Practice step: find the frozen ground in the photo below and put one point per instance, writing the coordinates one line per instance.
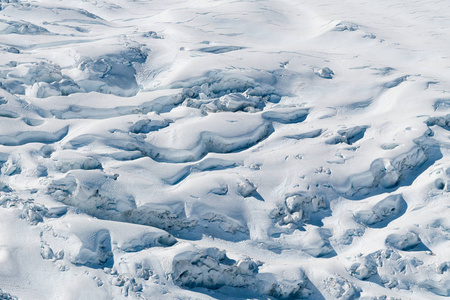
(224, 149)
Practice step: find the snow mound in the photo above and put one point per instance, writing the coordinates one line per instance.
(383, 212)
(212, 269)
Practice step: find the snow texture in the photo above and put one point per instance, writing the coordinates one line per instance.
(224, 149)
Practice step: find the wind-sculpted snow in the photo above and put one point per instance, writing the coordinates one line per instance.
(385, 174)
(392, 270)
(212, 269)
(383, 212)
(26, 137)
(224, 149)
(348, 136)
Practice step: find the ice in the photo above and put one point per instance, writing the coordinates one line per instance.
(92, 191)
(340, 288)
(27, 137)
(69, 160)
(145, 126)
(110, 74)
(34, 213)
(326, 73)
(153, 35)
(92, 253)
(246, 188)
(7, 296)
(224, 149)
(387, 173)
(343, 26)
(393, 270)
(443, 121)
(14, 27)
(286, 116)
(306, 135)
(405, 242)
(37, 72)
(220, 49)
(299, 209)
(213, 269)
(349, 136)
(383, 212)
(147, 240)
(316, 242)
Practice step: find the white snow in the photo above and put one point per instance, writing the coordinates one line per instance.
(271, 149)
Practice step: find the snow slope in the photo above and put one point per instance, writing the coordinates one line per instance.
(224, 149)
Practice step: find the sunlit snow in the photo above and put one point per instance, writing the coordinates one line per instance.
(219, 149)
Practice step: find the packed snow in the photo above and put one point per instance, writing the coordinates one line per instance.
(271, 149)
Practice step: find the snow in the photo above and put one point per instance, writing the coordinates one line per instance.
(271, 149)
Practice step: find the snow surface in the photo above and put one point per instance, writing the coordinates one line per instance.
(270, 149)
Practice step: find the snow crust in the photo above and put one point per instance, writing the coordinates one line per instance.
(272, 149)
